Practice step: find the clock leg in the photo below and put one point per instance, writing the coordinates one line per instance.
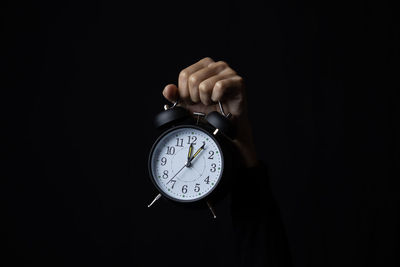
(154, 200)
(211, 209)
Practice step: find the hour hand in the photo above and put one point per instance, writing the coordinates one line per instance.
(189, 155)
(198, 151)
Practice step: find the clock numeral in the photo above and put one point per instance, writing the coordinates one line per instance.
(184, 189)
(211, 154)
(207, 180)
(165, 174)
(163, 161)
(179, 142)
(170, 150)
(213, 167)
(197, 188)
(193, 138)
(172, 181)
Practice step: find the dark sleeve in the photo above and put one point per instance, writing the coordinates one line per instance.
(259, 233)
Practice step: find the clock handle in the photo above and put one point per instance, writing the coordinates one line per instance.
(221, 108)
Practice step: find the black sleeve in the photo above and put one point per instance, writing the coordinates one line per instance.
(259, 233)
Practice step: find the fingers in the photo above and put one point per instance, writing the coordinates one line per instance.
(207, 86)
(196, 82)
(185, 74)
(203, 74)
(205, 81)
(226, 87)
(171, 93)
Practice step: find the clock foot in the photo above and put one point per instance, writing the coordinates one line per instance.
(154, 200)
(211, 209)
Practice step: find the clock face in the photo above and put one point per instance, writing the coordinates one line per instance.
(186, 163)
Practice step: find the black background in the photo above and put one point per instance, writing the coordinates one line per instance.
(83, 81)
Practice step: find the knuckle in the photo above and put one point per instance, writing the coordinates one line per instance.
(203, 88)
(193, 79)
(222, 63)
(184, 74)
(219, 86)
(232, 72)
(240, 79)
(207, 60)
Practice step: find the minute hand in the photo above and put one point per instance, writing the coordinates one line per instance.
(198, 151)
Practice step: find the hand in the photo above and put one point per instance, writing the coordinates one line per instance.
(202, 85)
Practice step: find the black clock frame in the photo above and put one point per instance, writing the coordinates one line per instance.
(225, 145)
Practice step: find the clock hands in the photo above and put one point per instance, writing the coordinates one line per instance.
(198, 151)
(190, 159)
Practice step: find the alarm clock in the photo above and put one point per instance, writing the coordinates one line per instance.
(193, 158)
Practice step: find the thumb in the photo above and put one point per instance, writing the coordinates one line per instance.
(171, 93)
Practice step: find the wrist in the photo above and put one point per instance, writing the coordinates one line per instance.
(245, 144)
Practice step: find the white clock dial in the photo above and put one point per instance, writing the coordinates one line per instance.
(186, 164)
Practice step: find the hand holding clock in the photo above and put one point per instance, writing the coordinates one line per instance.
(201, 86)
(206, 82)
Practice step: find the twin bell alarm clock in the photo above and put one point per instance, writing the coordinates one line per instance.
(192, 160)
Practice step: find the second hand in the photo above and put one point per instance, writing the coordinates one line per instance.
(177, 173)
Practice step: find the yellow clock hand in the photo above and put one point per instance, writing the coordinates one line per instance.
(198, 151)
(189, 155)
(190, 151)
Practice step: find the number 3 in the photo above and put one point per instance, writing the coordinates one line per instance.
(213, 167)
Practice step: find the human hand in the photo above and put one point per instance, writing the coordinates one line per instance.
(202, 85)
